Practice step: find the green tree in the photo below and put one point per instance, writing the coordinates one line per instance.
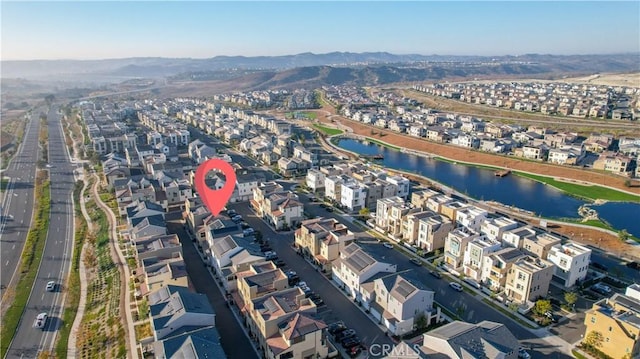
(542, 306)
(571, 298)
(623, 235)
(593, 339)
(364, 212)
(421, 321)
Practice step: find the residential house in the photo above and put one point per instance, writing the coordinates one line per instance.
(471, 217)
(616, 319)
(198, 343)
(571, 262)
(353, 195)
(315, 180)
(154, 273)
(173, 310)
(613, 162)
(262, 283)
(494, 227)
(419, 198)
(540, 244)
(474, 254)
(433, 231)
(355, 267)
(528, 279)
(383, 210)
(455, 245)
(323, 239)
(496, 266)
(461, 340)
(396, 301)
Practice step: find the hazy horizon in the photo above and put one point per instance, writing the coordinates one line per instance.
(201, 30)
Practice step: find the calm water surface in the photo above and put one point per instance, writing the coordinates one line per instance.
(510, 190)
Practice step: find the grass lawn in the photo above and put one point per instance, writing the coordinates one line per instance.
(328, 130)
(3, 184)
(383, 144)
(589, 192)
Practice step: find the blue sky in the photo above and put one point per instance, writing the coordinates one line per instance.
(97, 30)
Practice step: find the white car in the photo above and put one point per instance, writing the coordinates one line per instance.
(41, 321)
(523, 354)
(455, 286)
(388, 245)
(51, 286)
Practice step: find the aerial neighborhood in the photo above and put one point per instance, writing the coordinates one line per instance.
(306, 230)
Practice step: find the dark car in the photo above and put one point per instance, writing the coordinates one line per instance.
(345, 334)
(329, 209)
(264, 249)
(294, 279)
(279, 263)
(336, 327)
(435, 273)
(318, 301)
(350, 342)
(634, 265)
(354, 351)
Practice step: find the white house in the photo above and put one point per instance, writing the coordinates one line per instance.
(572, 262)
(353, 195)
(471, 217)
(315, 180)
(397, 301)
(494, 228)
(474, 255)
(355, 267)
(403, 185)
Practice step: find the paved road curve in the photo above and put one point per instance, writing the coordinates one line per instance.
(29, 341)
(17, 204)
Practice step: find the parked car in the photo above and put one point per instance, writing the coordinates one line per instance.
(329, 209)
(41, 321)
(279, 263)
(435, 273)
(601, 288)
(270, 255)
(350, 342)
(415, 261)
(634, 265)
(318, 301)
(354, 351)
(523, 354)
(237, 218)
(345, 335)
(247, 232)
(335, 328)
(455, 286)
(51, 286)
(388, 245)
(231, 212)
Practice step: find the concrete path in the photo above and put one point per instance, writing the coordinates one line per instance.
(71, 347)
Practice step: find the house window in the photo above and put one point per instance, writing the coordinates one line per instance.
(593, 319)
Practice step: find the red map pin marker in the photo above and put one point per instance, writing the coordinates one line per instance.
(215, 200)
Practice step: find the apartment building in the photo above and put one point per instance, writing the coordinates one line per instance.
(571, 262)
(515, 237)
(323, 239)
(403, 186)
(528, 279)
(411, 225)
(264, 282)
(333, 187)
(613, 162)
(616, 319)
(451, 208)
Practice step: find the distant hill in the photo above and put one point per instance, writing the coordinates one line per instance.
(184, 68)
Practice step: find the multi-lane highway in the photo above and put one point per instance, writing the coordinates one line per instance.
(29, 341)
(17, 204)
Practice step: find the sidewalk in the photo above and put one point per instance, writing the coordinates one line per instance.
(71, 347)
(121, 263)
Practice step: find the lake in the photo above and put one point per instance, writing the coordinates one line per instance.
(512, 190)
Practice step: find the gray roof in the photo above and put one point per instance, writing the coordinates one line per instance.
(198, 343)
(483, 340)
